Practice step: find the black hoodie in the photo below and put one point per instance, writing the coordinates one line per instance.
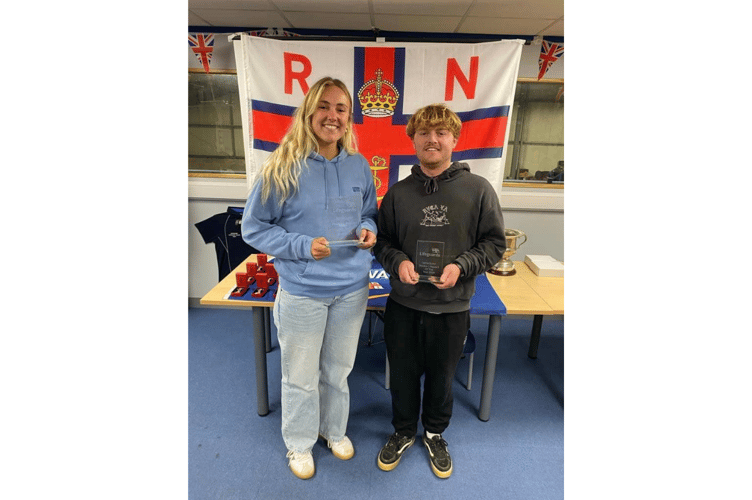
(456, 208)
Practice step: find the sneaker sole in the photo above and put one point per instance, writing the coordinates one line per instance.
(302, 476)
(344, 457)
(341, 457)
(388, 467)
(439, 473)
(299, 475)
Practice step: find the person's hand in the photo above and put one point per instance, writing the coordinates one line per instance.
(320, 248)
(407, 273)
(367, 238)
(449, 277)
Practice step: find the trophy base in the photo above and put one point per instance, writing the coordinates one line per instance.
(503, 268)
(499, 272)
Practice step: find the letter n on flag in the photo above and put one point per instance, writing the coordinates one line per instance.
(388, 83)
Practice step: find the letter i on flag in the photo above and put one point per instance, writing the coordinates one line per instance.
(202, 44)
(549, 54)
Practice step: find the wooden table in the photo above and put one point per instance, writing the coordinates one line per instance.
(524, 293)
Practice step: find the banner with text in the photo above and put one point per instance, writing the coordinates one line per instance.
(388, 84)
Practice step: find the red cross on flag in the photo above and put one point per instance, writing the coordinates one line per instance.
(388, 83)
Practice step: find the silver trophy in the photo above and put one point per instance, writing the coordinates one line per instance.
(505, 267)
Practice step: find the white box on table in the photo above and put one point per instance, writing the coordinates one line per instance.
(545, 266)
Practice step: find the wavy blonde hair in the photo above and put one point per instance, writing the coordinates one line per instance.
(282, 168)
(434, 115)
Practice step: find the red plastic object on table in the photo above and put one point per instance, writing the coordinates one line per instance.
(263, 279)
(251, 268)
(244, 279)
(271, 271)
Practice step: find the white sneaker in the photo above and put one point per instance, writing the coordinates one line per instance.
(301, 464)
(342, 449)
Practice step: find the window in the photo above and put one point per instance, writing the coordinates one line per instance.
(536, 138)
(215, 131)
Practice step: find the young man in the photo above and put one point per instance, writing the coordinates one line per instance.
(437, 230)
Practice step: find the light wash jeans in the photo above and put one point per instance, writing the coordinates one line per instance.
(318, 340)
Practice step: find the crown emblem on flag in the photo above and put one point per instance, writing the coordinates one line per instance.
(378, 97)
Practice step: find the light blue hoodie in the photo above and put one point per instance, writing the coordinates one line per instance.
(335, 199)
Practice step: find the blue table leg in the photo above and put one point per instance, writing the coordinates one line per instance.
(259, 340)
(489, 369)
(535, 337)
(267, 329)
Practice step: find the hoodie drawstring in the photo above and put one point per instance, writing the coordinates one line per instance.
(431, 185)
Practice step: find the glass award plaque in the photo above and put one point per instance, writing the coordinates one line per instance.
(429, 261)
(343, 218)
(344, 243)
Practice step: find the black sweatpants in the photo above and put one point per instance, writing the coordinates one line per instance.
(419, 343)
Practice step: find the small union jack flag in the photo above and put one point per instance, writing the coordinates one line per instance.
(202, 45)
(549, 53)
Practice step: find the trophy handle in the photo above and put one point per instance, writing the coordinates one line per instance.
(523, 241)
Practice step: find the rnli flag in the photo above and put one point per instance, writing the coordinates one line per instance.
(388, 84)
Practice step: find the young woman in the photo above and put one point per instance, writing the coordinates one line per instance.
(315, 188)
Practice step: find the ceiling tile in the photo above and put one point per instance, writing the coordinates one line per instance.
(242, 18)
(525, 9)
(422, 7)
(425, 23)
(493, 17)
(229, 4)
(195, 20)
(556, 29)
(349, 6)
(501, 26)
(329, 20)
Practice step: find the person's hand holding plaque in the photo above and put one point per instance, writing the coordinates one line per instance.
(449, 277)
(320, 248)
(407, 273)
(367, 238)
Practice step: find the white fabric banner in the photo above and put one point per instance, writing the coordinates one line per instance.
(388, 82)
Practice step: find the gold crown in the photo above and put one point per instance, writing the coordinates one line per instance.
(378, 97)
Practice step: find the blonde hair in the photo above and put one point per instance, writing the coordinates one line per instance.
(434, 115)
(282, 168)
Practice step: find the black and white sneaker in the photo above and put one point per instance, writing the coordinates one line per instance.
(441, 461)
(390, 455)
